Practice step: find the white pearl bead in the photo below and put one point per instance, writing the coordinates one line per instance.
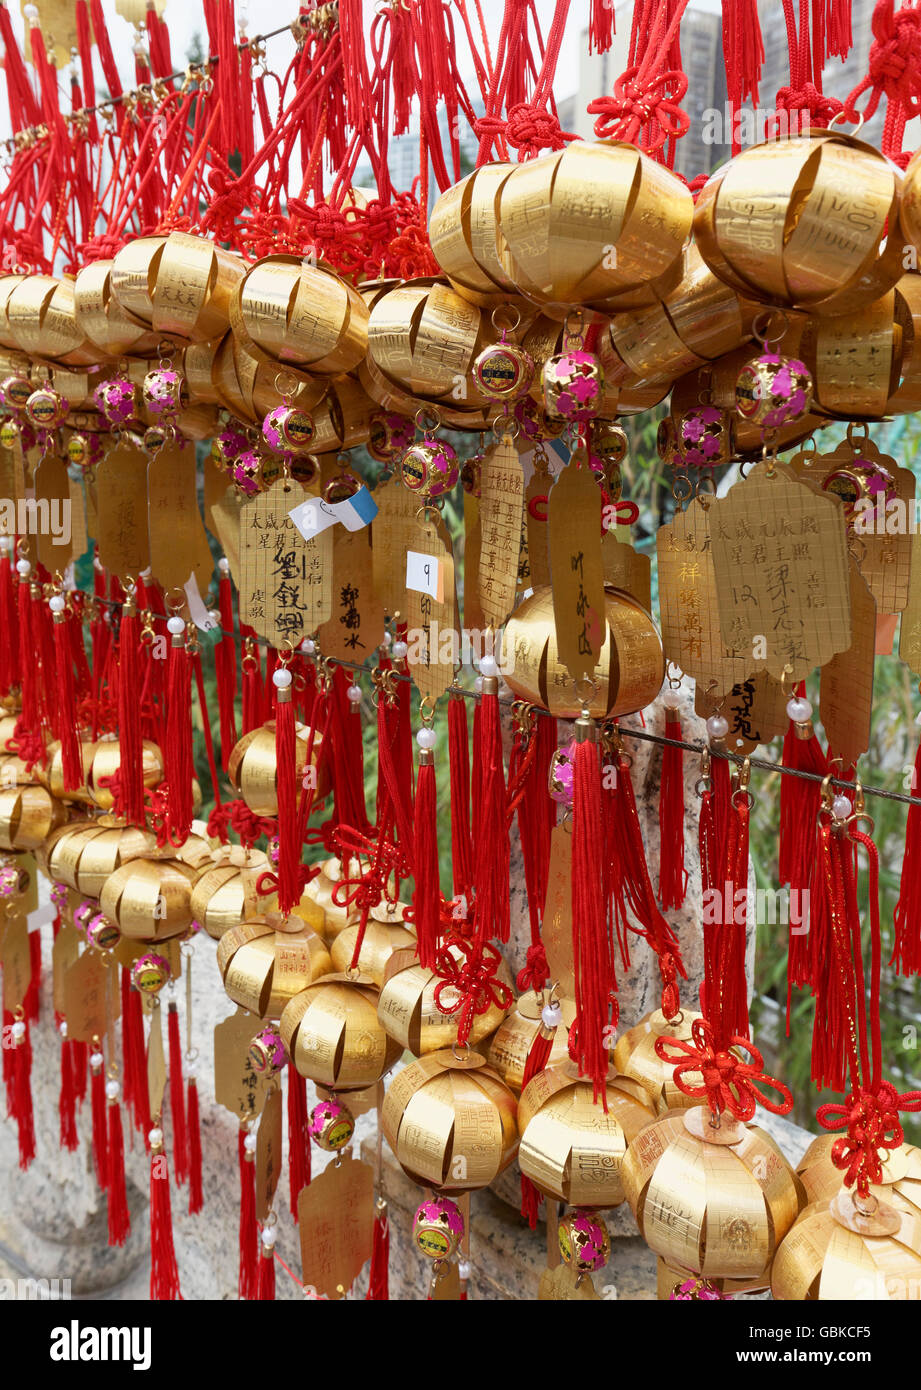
(551, 1015)
(249, 1143)
(175, 625)
(19, 1029)
(191, 1071)
(30, 11)
(671, 699)
(96, 1060)
(223, 565)
(463, 1269)
(489, 666)
(354, 693)
(57, 603)
(112, 1089)
(281, 678)
(478, 685)
(841, 807)
(268, 1237)
(309, 646)
(62, 1027)
(799, 709)
(388, 640)
(399, 650)
(155, 1137)
(6, 544)
(23, 568)
(426, 738)
(717, 726)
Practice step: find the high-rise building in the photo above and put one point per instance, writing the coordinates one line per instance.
(702, 58)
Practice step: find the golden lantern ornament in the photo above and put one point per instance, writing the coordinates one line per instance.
(378, 944)
(513, 1039)
(450, 1121)
(268, 960)
(227, 894)
(747, 1195)
(568, 1157)
(252, 767)
(418, 1006)
(333, 1035)
(28, 815)
(331, 1125)
(635, 1056)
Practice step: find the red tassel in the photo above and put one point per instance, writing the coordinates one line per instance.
(196, 1200)
(177, 754)
(79, 1067)
(601, 26)
(427, 897)
(266, 1276)
(298, 1137)
(9, 622)
(249, 1244)
(98, 1098)
(673, 879)
(289, 841)
(66, 711)
(131, 748)
(31, 1002)
(176, 1097)
(799, 807)
(459, 768)
(537, 1059)
(591, 953)
(164, 1274)
(29, 716)
(119, 1217)
(135, 1060)
(6, 1053)
(22, 1092)
(379, 1273)
(225, 668)
(491, 836)
(67, 1100)
(906, 954)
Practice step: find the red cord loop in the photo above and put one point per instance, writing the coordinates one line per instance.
(871, 1117)
(727, 1082)
(636, 107)
(535, 971)
(472, 978)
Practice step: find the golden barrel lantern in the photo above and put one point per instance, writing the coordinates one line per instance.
(265, 962)
(635, 1056)
(252, 767)
(333, 1036)
(713, 1200)
(845, 1250)
(811, 222)
(178, 287)
(287, 310)
(573, 1149)
(28, 813)
(573, 226)
(450, 1121)
(630, 669)
(409, 1010)
(225, 894)
(509, 1046)
(378, 945)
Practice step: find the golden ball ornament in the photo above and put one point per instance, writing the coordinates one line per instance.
(635, 1056)
(811, 222)
(572, 1149)
(150, 899)
(377, 947)
(106, 763)
(225, 895)
(324, 890)
(178, 286)
(333, 1035)
(714, 1201)
(583, 1240)
(573, 225)
(509, 1046)
(901, 1175)
(450, 1121)
(28, 814)
(101, 319)
(408, 1010)
(464, 236)
(849, 1250)
(305, 315)
(268, 960)
(630, 669)
(252, 769)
